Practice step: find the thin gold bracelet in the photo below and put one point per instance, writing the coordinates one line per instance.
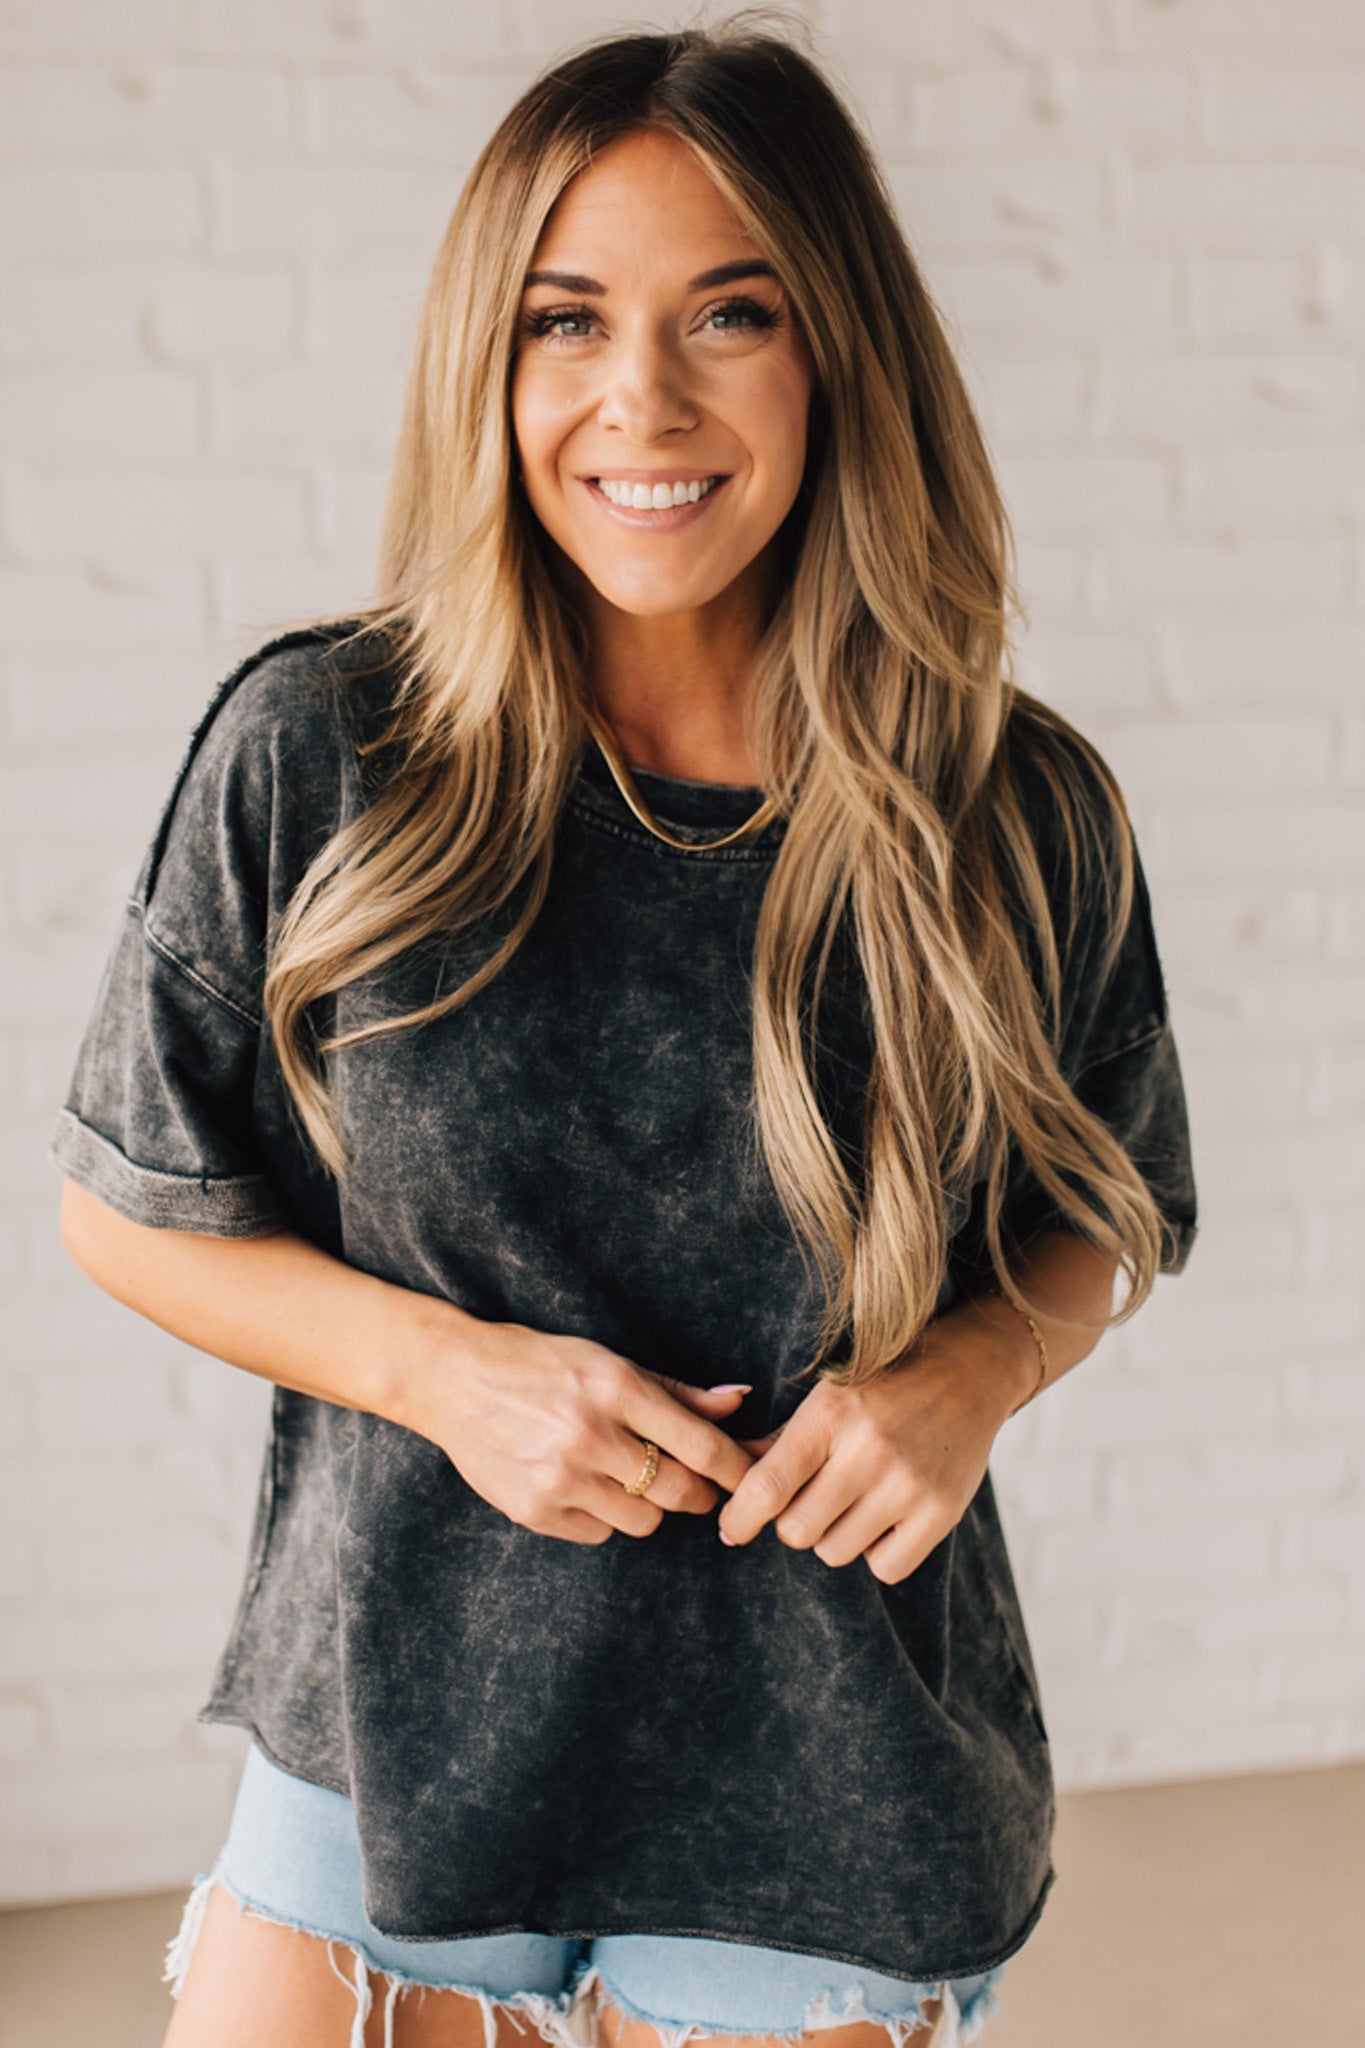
(1038, 1340)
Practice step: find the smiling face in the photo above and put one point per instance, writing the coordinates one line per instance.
(661, 386)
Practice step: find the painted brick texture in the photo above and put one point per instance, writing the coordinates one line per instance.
(1144, 222)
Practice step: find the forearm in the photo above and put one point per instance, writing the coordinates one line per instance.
(541, 1425)
(276, 1305)
(1071, 1285)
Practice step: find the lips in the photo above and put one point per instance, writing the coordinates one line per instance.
(682, 474)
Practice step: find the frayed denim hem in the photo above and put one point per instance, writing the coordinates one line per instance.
(569, 2020)
(956, 2027)
(566, 2022)
(972, 2017)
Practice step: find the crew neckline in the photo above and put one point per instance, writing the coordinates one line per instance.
(709, 808)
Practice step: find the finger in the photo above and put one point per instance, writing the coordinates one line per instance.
(771, 1483)
(864, 1522)
(720, 1400)
(821, 1502)
(634, 1515)
(903, 1549)
(674, 1486)
(652, 1412)
(576, 1525)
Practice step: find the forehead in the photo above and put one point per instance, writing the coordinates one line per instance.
(644, 193)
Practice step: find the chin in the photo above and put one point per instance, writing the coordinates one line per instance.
(646, 600)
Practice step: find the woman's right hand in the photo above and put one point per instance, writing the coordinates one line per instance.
(551, 1430)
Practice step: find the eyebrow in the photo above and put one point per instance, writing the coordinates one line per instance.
(724, 273)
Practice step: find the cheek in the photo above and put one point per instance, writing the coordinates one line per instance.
(780, 412)
(538, 418)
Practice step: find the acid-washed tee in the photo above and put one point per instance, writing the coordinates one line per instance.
(653, 1735)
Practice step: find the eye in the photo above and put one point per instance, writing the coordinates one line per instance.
(540, 326)
(738, 315)
(745, 313)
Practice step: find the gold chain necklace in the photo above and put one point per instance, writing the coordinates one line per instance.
(620, 769)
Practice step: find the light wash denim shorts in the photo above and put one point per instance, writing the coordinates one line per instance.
(292, 1855)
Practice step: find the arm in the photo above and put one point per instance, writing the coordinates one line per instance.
(1072, 1282)
(174, 1199)
(886, 1470)
(274, 1304)
(546, 1428)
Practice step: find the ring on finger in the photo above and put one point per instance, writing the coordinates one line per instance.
(650, 1467)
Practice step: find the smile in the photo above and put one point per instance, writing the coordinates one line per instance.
(661, 506)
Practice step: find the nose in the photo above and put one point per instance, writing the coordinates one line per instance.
(645, 388)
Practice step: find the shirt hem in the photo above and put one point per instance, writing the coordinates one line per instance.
(663, 1922)
(659, 1918)
(217, 1205)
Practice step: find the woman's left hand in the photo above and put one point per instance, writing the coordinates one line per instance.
(885, 1470)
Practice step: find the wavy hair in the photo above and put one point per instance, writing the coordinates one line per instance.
(880, 698)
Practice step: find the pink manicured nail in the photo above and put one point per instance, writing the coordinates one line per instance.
(728, 1540)
(730, 1387)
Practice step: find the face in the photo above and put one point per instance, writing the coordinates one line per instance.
(661, 387)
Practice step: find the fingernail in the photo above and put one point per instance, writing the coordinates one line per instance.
(730, 1387)
(729, 1541)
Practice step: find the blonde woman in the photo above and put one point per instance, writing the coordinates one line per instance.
(656, 1047)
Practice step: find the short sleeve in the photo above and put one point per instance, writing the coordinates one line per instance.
(1117, 1047)
(159, 1121)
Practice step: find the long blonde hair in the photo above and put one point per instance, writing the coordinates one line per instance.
(880, 697)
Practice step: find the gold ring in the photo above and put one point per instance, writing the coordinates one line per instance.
(651, 1466)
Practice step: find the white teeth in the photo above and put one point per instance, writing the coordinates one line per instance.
(654, 497)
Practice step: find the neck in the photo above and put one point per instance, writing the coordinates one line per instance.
(673, 688)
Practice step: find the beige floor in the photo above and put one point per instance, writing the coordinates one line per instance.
(1228, 1913)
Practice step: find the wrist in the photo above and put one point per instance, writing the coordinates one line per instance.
(1013, 1362)
(428, 1339)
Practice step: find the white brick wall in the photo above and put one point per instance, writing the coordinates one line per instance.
(1145, 225)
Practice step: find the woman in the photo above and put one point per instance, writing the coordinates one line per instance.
(596, 1030)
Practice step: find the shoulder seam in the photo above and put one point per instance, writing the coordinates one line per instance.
(283, 643)
(192, 975)
(1153, 1031)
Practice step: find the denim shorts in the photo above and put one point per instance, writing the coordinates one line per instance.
(292, 1855)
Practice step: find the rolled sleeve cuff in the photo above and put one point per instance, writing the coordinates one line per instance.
(1181, 1237)
(1180, 1233)
(238, 1205)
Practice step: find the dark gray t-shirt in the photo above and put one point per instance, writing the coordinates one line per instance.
(656, 1735)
